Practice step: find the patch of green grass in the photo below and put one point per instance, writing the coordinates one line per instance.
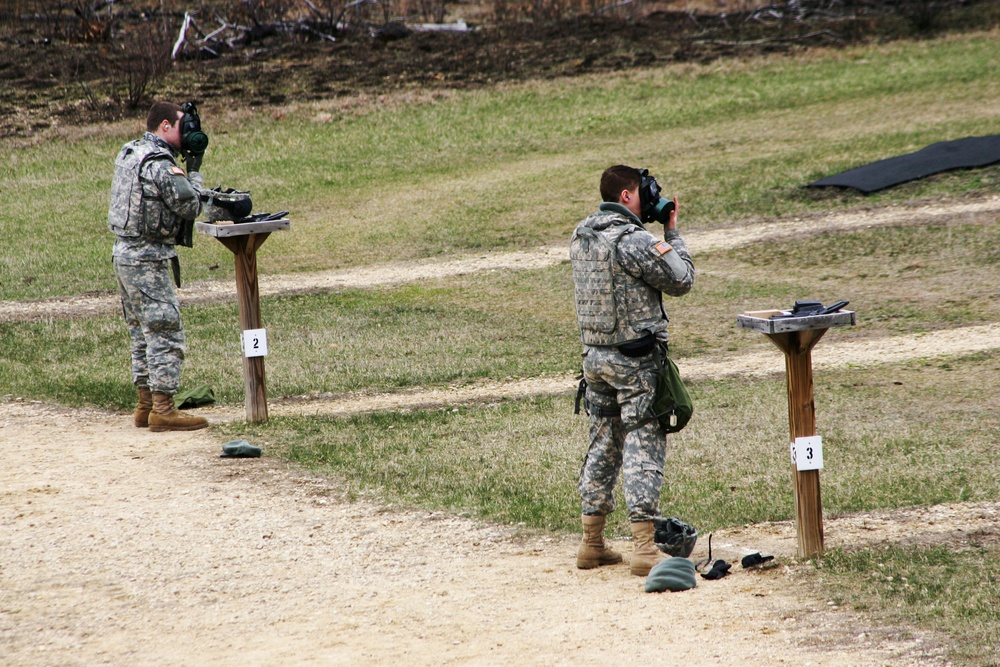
(949, 588)
(518, 461)
(518, 324)
(899, 279)
(506, 462)
(516, 166)
(69, 362)
(451, 331)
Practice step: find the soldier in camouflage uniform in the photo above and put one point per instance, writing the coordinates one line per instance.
(151, 200)
(620, 271)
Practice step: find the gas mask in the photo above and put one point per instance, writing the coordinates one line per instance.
(655, 208)
(193, 140)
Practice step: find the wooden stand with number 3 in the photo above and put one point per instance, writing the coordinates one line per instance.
(796, 337)
(244, 239)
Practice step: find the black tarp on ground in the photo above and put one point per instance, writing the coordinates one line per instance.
(958, 154)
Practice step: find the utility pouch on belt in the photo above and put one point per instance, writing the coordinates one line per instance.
(638, 348)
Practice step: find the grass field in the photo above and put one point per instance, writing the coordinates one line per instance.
(514, 168)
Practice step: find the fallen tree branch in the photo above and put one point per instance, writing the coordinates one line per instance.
(759, 42)
(180, 37)
(608, 8)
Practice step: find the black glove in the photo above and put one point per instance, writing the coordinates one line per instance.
(193, 161)
(185, 236)
(718, 571)
(753, 560)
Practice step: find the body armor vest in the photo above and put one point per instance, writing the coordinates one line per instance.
(136, 210)
(612, 307)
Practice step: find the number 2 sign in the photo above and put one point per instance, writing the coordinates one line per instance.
(255, 343)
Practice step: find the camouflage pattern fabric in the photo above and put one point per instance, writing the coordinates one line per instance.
(620, 271)
(147, 209)
(153, 316)
(150, 199)
(621, 389)
(615, 381)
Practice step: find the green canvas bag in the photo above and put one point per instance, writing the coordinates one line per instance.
(194, 397)
(673, 405)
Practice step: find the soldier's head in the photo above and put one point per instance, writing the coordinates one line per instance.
(620, 184)
(164, 121)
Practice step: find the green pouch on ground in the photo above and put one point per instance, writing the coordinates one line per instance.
(194, 397)
(673, 405)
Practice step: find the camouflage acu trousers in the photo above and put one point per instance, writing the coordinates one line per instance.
(153, 316)
(626, 385)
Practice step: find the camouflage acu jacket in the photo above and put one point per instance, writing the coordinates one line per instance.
(151, 196)
(620, 271)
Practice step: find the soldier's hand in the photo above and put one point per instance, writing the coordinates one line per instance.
(193, 161)
(672, 222)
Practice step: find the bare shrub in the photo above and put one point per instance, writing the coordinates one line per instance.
(433, 11)
(94, 20)
(922, 15)
(141, 56)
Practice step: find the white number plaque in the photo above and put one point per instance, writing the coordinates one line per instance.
(255, 343)
(807, 453)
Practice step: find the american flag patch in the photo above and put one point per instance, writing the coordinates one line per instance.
(663, 247)
(174, 169)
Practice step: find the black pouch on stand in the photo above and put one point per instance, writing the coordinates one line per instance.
(673, 405)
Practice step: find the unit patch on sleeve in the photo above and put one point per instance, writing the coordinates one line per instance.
(663, 247)
(174, 169)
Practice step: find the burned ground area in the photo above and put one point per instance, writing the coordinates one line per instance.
(90, 78)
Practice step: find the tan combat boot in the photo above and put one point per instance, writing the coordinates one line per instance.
(645, 554)
(165, 417)
(592, 552)
(141, 414)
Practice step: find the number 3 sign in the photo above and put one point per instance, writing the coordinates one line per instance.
(807, 453)
(255, 343)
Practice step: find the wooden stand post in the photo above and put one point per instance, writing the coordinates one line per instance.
(797, 346)
(244, 240)
(796, 337)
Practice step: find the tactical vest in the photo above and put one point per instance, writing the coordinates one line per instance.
(136, 210)
(612, 307)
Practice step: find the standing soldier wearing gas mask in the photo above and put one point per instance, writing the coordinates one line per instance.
(153, 207)
(620, 272)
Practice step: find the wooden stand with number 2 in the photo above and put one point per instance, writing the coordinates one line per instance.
(243, 240)
(796, 337)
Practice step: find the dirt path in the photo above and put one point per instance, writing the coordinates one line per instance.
(124, 547)
(949, 342)
(401, 273)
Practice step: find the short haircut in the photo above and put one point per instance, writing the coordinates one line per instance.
(159, 112)
(618, 178)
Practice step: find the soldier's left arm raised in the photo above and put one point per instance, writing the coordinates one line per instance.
(665, 265)
(180, 193)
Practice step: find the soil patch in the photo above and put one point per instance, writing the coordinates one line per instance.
(125, 547)
(51, 82)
